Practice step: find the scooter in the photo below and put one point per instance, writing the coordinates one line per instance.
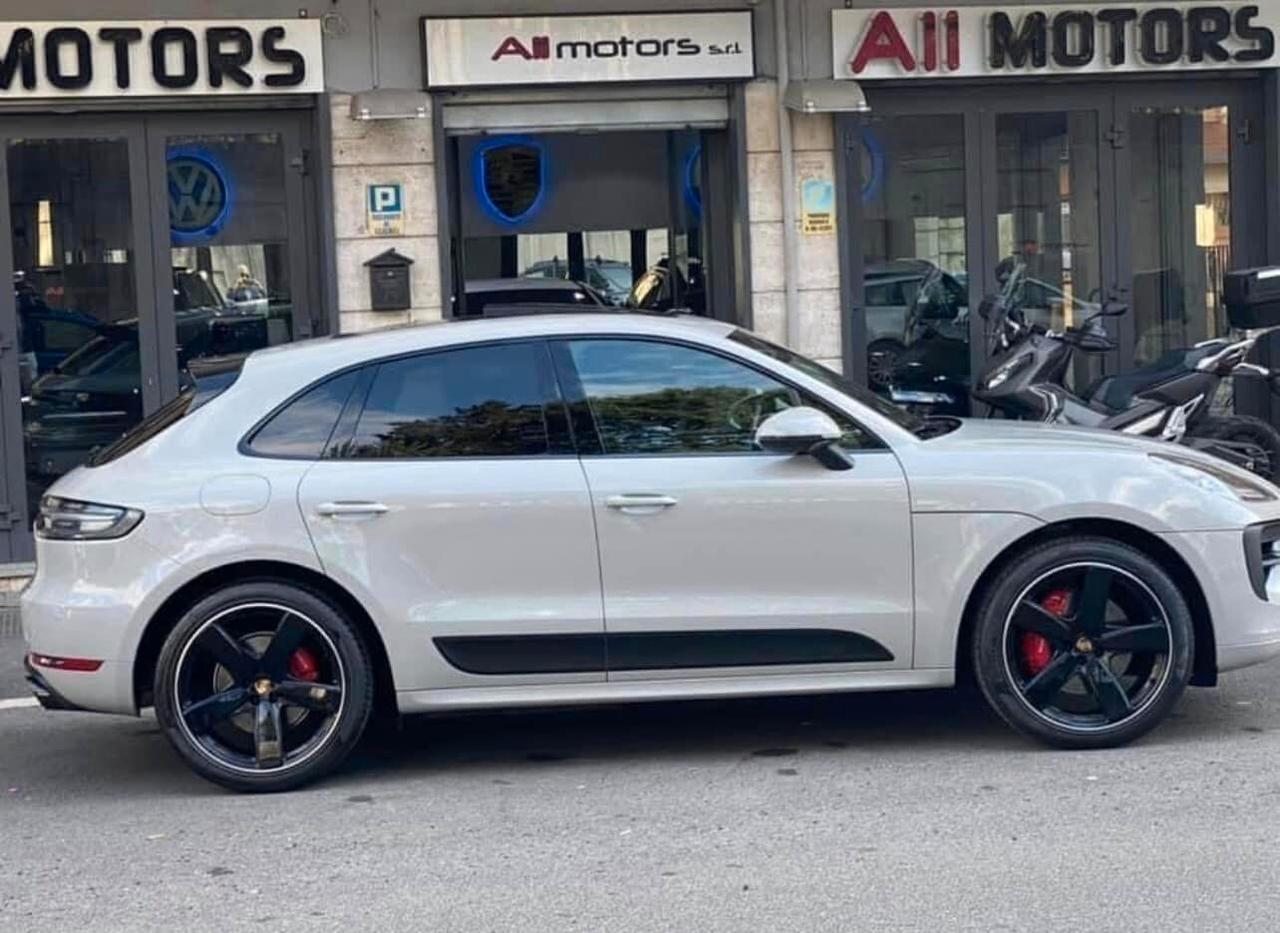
(1169, 399)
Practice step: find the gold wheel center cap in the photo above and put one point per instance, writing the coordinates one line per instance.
(262, 686)
(1084, 645)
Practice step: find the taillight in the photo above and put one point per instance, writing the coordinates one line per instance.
(72, 520)
(84, 665)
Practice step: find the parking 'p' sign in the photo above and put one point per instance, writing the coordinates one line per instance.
(385, 209)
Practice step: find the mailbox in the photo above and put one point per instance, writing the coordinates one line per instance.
(389, 281)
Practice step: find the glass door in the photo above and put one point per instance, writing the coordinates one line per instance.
(77, 330)
(1189, 169)
(1047, 205)
(135, 246)
(231, 249)
(911, 214)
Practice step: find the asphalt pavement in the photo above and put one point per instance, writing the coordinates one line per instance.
(887, 812)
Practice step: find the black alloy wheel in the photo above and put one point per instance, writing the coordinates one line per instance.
(1086, 642)
(260, 692)
(1107, 651)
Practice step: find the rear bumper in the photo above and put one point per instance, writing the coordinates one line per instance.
(43, 691)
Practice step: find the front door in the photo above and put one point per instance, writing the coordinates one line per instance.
(135, 245)
(717, 558)
(232, 262)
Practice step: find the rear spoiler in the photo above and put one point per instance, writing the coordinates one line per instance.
(213, 375)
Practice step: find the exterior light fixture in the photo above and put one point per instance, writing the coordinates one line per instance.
(390, 104)
(826, 96)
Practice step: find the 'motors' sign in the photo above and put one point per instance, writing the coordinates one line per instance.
(977, 41)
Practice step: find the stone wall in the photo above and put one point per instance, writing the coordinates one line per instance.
(818, 259)
(382, 152)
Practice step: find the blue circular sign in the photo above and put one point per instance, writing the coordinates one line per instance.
(199, 196)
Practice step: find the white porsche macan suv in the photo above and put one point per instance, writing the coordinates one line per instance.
(581, 508)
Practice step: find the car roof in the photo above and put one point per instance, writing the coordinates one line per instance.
(522, 284)
(325, 354)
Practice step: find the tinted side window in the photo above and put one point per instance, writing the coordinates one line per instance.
(470, 402)
(302, 428)
(659, 398)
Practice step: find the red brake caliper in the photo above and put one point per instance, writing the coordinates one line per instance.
(302, 666)
(1035, 649)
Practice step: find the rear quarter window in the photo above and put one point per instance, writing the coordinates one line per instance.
(301, 429)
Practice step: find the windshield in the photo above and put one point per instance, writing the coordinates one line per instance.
(618, 277)
(832, 379)
(194, 290)
(113, 352)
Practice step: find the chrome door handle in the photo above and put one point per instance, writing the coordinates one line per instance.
(639, 502)
(331, 509)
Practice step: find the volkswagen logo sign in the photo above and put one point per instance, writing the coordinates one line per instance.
(199, 196)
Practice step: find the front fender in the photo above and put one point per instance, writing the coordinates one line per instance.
(952, 550)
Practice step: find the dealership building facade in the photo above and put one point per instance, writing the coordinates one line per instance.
(179, 186)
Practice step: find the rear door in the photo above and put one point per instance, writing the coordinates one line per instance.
(720, 559)
(452, 501)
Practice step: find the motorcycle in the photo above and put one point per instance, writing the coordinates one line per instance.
(1169, 399)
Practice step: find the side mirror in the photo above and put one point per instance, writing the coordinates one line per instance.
(1114, 309)
(804, 430)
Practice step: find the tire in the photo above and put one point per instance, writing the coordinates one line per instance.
(1244, 429)
(1084, 690)
(882, 357)
(264, 686)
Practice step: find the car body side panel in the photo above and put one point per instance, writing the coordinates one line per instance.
(756, 542)
(94, 599)
(1057, 474)
(952, 550)
(484, 547)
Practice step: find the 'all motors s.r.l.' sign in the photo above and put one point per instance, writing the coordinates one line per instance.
(975, 42)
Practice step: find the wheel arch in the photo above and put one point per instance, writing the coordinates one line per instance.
(1204, 670)
(170, 611)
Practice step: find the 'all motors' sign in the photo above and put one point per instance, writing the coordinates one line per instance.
(1057, 39)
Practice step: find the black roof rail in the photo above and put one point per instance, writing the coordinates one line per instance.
(498, 309)
(522, 309)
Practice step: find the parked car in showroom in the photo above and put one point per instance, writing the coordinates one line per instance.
(93, 395)
(588, 508)
(610, 278)
(892, 292)
(490, 296)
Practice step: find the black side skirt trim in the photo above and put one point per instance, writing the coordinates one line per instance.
(650, 651)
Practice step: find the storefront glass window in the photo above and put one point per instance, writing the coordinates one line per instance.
(1182, 222)
(915, 263)
(619, 212)
(73, 253)
(229, 230)
(1048, 216)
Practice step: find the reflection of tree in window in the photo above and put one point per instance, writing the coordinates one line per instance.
(489, 429)
(650, 397)
(707, 419)
(473, 402)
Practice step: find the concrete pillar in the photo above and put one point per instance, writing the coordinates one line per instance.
(818, 270)
(369, 152)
